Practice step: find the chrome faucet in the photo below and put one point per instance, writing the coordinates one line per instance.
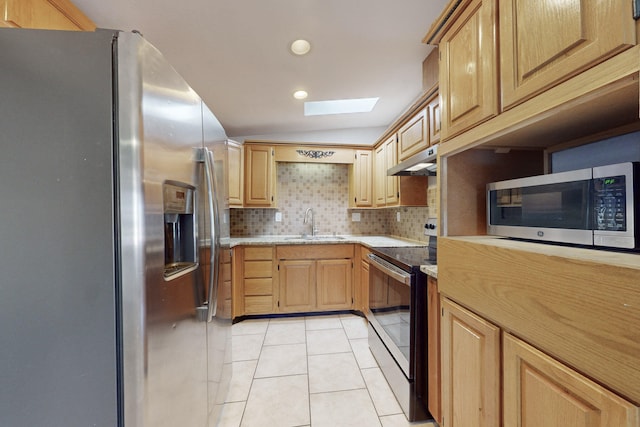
(314, 230)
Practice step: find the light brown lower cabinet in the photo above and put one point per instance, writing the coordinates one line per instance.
(433, 349)
(480, 376)
(361, 292)
(315, 278)
(253, 280)
(470, 369)
(540, 391)
(334, 284)
(297, 293)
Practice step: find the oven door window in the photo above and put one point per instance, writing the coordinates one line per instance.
(389, 305)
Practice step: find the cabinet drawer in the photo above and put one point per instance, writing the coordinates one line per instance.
(262, 286)
(314, 251)
(258, 253)
(258, 269)
(258, 304)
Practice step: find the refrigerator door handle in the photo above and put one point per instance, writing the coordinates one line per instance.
(212, 300)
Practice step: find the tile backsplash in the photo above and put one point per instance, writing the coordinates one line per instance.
(325, 189)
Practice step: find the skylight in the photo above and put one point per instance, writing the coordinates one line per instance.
(339, 106)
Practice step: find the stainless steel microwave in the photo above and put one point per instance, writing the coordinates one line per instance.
(596, 206)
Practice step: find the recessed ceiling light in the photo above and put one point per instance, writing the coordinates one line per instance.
(300, 47)
(300, 94)
(339, 106)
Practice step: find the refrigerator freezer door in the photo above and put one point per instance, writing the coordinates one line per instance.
(165, 344)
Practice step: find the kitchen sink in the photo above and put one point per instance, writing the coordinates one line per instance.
(311, 238)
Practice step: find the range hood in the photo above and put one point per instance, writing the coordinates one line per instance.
(422, 163)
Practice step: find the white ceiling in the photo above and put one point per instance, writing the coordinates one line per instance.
(235, 54)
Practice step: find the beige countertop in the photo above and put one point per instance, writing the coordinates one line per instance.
(430, 270)
(370, 241)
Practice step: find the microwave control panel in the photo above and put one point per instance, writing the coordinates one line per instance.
(609, 194)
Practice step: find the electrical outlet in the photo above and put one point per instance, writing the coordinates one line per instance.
(278, 216)
(398, 216)
(355, 216)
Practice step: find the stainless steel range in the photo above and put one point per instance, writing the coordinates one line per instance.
(397, 318)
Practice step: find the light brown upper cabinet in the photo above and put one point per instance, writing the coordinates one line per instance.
(434, 114)
(44, 14)
(380, 175)
(543, 42)
(413, 136)
(468, 69)
(236, 174)
(391, 194)
(395, 190)
(361, 179)
(386, 187)
(260, 176)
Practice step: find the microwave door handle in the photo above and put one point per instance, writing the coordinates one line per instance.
(212, 301)
(390, 270)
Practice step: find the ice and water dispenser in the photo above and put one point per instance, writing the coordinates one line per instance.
(180, 254)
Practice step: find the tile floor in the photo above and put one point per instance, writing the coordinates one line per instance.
(311, 371)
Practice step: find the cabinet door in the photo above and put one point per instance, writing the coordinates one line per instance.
(470, 368)
(364, 286)
(259, 181)
(539, 390)
(45, 14)
(435, 120)
(297, 285)
(413, 136)
(468, 69)
(236, 172)
(334, 278)
(543, 42)
(433, 348)
(380, 173)
(363, 178)
(390, 160)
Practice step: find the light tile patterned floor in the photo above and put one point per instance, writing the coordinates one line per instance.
(312, 371)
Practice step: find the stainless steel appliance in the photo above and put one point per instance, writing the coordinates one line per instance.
(397, 318)
(422, 163)
(595, 206)
(108, 158)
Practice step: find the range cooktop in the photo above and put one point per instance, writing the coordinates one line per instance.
(409, 257)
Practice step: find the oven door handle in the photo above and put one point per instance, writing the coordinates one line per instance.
(390, 269)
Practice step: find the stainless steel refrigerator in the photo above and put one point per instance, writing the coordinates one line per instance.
(115, 296)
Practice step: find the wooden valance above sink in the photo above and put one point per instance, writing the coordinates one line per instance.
(314, 154)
